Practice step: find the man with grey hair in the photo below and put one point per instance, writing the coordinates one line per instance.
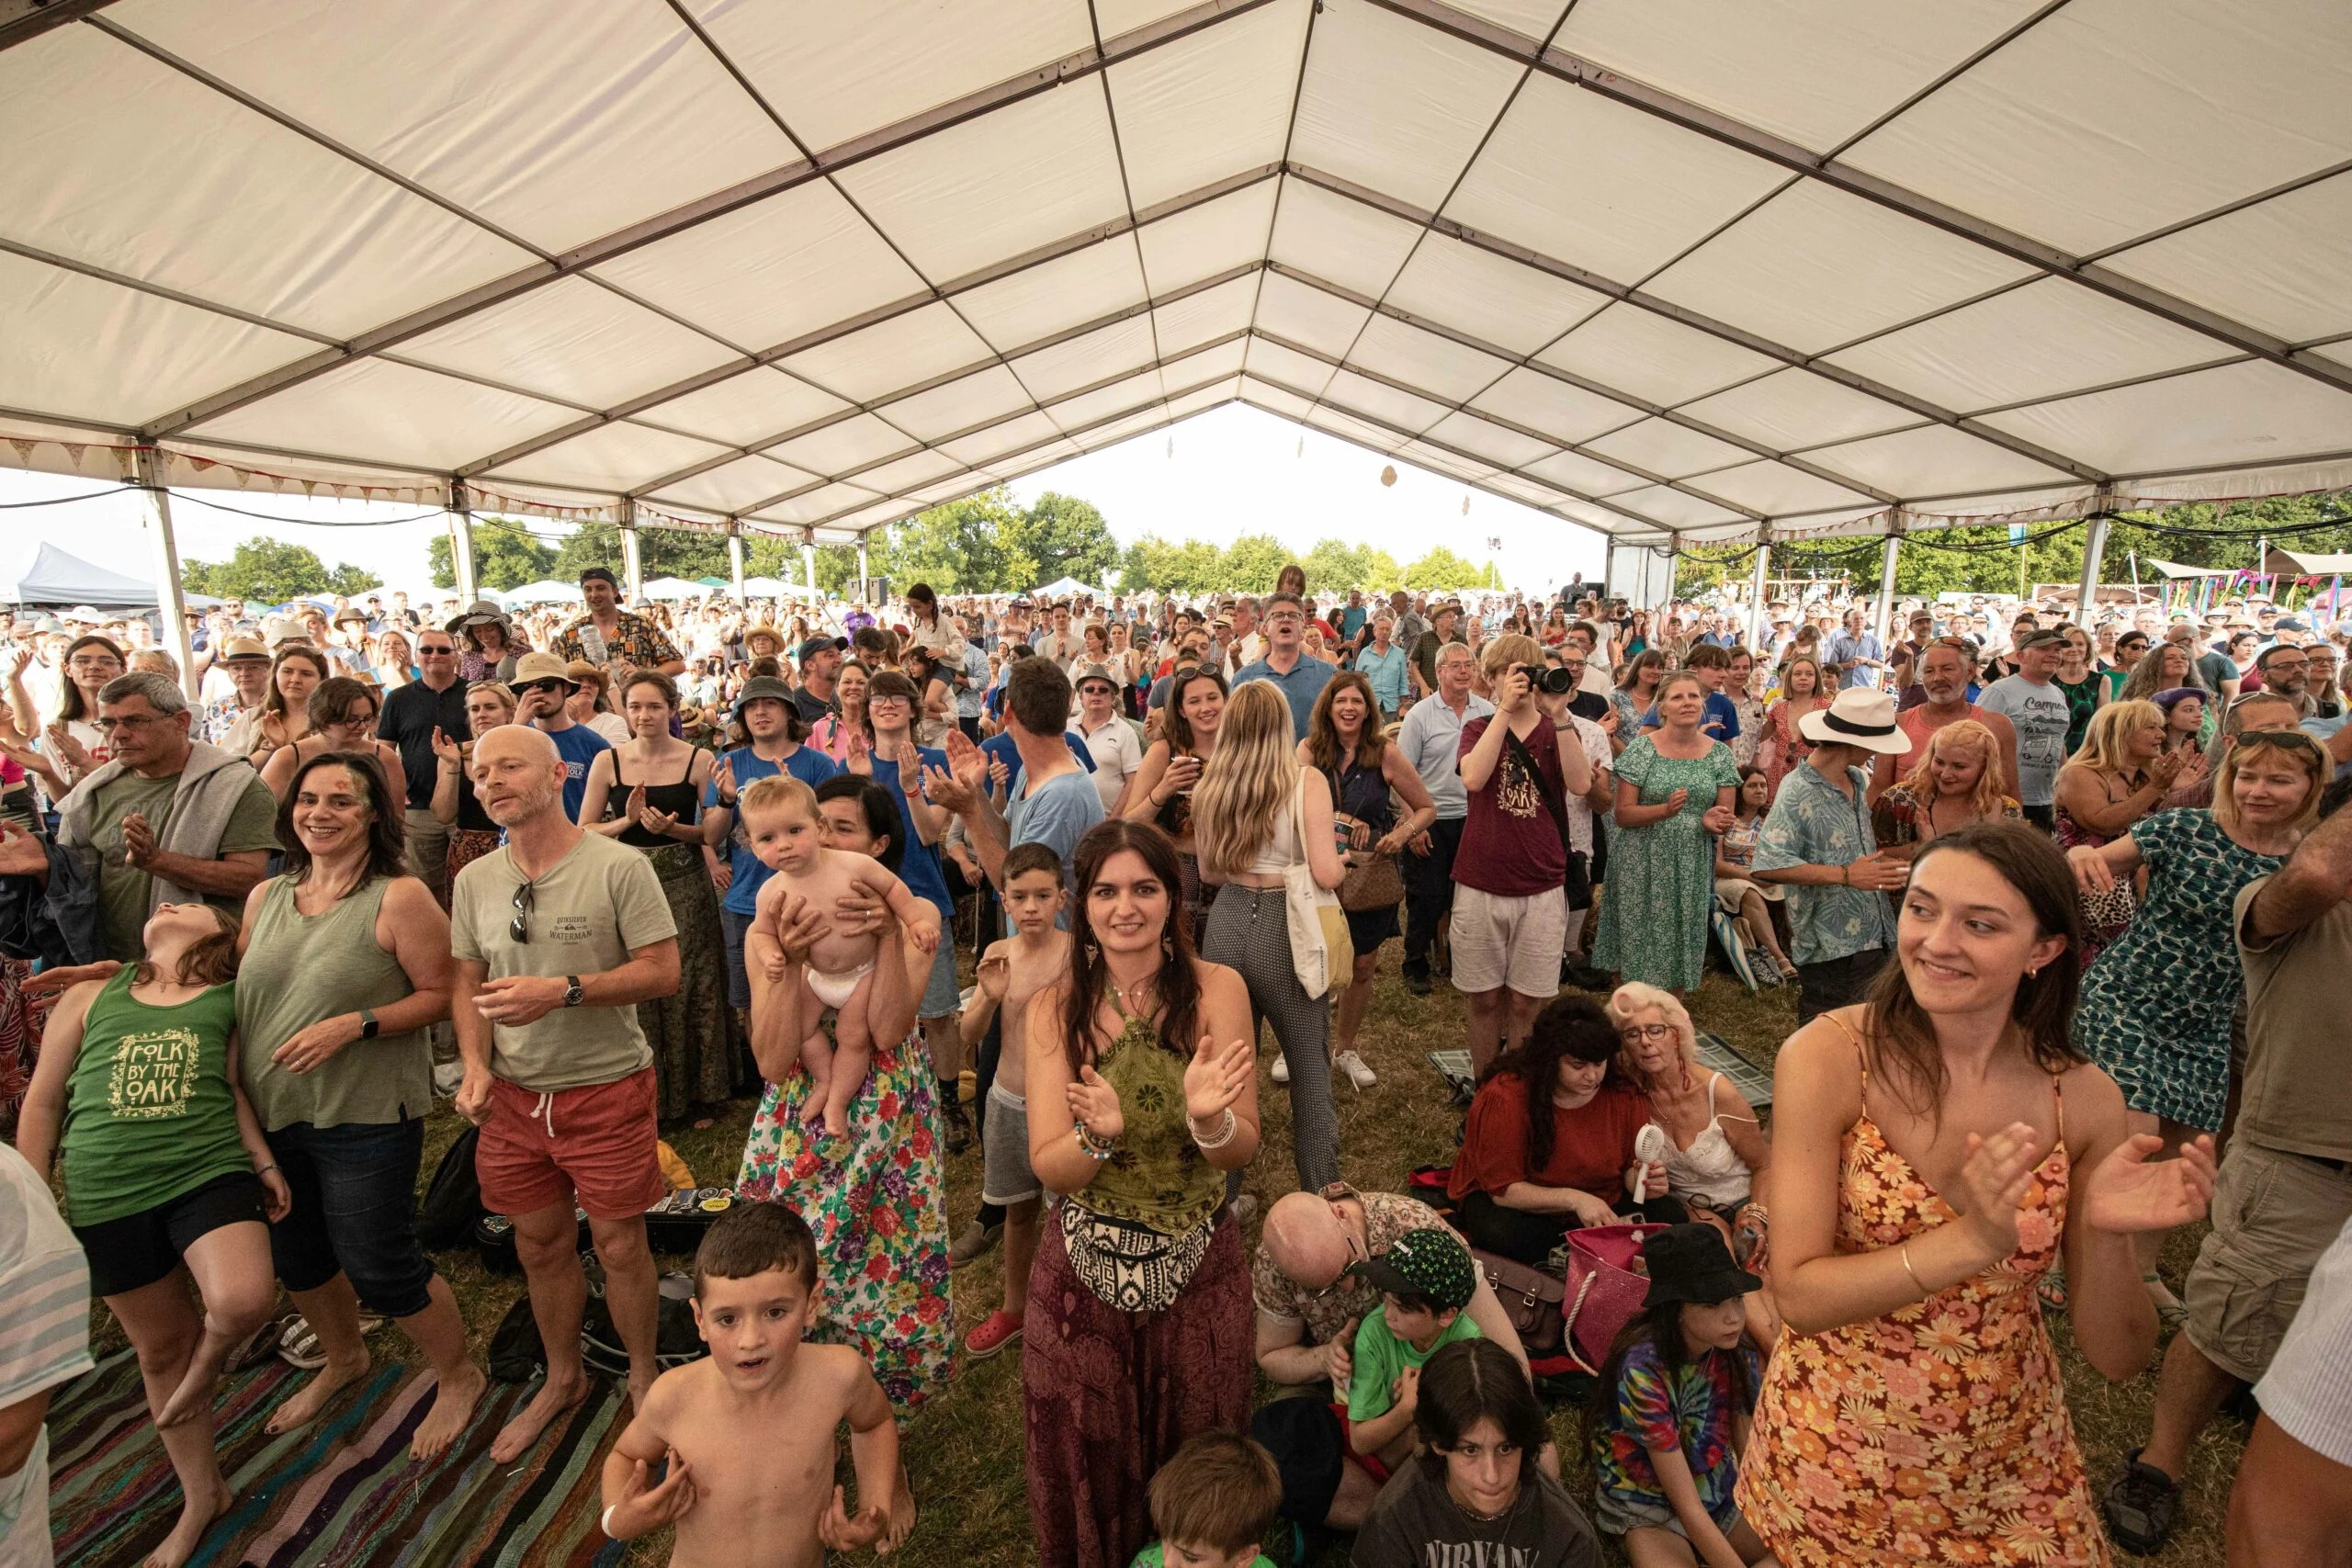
(168, 819)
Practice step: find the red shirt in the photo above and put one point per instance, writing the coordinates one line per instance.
(1591, 1145)
(1511, 843)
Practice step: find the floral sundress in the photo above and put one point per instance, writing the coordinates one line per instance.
(1937, 1434)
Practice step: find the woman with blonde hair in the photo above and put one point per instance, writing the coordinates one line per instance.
(2121, 774)
(1956, 780)
(1257, 813)
(393, 658)
(1804, 688)
(472, 834)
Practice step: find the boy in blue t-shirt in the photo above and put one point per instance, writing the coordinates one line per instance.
(1425, 1280)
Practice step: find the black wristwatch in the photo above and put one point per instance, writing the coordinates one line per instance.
(573, 992)
(368, 1027)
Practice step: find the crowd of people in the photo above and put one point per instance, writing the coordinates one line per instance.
(2063, 905)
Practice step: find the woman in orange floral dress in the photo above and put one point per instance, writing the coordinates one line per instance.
(1926, 1148)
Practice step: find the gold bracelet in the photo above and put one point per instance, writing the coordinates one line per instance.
(1916, 1283)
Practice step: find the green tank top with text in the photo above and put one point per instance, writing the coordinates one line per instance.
(148, 1113)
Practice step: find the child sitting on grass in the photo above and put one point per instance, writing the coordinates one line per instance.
(1012, 973)
(781, 819)
(1212, 1503)
(1425, 1278)
(1670, 1410)
(748, 1431)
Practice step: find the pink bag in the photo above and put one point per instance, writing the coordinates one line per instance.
(1606, 1286)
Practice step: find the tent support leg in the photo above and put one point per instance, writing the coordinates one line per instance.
(809, 565)
(147, 468)
(735, 559)
(1885, 615)
(863, 593)
(632, 564)
(2094, 553)
(1755, 591)
(461, 544)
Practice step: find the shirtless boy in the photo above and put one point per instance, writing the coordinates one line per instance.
(1012, 972)
(749, 1431)
(780, 818)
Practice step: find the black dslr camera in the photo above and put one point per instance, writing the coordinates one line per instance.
(1552, 682)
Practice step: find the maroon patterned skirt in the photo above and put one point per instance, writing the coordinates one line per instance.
(1108, 1396)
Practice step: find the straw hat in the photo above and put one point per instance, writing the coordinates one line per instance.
(1857, 716)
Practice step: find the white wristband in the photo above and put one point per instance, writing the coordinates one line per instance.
(605, 1522)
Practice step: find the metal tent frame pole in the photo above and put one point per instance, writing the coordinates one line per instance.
(1756, 591)
(147, 471)
(1888, 555)
(2094, 555)
(461, 544)
(632, 563)
(809, 565)
(863, 592)
(735, 558)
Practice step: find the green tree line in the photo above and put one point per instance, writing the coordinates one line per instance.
(270, 572)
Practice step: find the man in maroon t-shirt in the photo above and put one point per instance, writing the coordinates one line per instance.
(1511, 913)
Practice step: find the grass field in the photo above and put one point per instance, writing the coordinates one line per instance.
(964, 1450)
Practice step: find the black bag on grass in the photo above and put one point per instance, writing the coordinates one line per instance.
(517, 1354)
(676, 1341)
(452, 1201)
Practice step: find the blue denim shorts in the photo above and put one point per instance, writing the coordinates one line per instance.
(355, 1212)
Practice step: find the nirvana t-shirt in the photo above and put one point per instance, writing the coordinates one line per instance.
(2040, 715)
(1510, 842)
(1416, 1523)
(587, 913)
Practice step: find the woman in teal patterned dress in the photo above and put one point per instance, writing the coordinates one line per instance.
(2157, 1004)
(875, 1200)
(1674, 788)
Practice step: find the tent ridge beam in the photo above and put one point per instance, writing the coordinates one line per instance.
(1529, 361)
(1642, 301)
(1676, 110)
(21, 21)
(142, 285)
(1128, 46)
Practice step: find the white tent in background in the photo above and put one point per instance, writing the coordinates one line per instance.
(547, 590)
(675, 587)
(1064, 588)
(769, 588)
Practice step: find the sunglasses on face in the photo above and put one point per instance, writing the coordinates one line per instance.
(2286, 739)
(561, 688)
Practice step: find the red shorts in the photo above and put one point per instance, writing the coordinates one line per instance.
(594, 1143)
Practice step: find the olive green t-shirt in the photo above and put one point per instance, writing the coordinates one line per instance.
(149, 1113)
(589, 912)
(123, 889)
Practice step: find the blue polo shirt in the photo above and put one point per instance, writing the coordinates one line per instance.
(1299, 688)
(999, 747)
(750, 874)
(921, 869)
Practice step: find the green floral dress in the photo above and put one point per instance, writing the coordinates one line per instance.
(1661, 888)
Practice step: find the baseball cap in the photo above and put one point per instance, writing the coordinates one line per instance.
(816, 645)
(1430, 1261)
(603, 573)
(2048, 636)
(2291, 624)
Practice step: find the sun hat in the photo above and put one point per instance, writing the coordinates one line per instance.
(1430, 1261)
(1857, 716)
(481, 613)
(1692, 1263)
(276, 629)
(1085, 672)
(238, 649)
(533, 667)
(761, 689)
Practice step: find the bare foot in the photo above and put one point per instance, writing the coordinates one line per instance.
(515, 1439)
(308, 1405)
(453, 1406)
(194, 1396)
(196, 1517)
(903, 1508)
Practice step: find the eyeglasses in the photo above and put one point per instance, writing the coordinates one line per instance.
(130, 721)
(1649, 1031)
(2286, 739)
(519, 928)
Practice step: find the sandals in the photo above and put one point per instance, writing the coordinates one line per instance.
(2051, 1287)
(298, 1343)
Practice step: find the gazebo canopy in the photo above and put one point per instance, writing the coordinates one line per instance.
(1654, 267)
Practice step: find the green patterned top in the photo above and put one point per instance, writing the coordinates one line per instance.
(1159, 1178)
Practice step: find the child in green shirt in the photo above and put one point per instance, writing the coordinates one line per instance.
(1425, 1278)
(1212, 1503)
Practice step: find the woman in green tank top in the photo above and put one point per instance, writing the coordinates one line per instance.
(164, 1168)
(1142, 1101)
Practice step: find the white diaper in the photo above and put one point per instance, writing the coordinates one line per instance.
(834, 990)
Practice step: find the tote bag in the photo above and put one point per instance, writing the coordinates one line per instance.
(1321, 951)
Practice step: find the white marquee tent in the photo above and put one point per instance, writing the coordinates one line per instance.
(1673, 270)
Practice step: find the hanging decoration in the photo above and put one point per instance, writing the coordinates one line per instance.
(1388, 474)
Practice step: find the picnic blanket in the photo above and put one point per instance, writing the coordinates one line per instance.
(341, 1493)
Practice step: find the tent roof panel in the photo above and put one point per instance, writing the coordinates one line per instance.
(1211, 313)
(1288, 368)
(745, 410)
(1203, 241)
(1565, 412)
(958, 405)
(232, 210)
(892, 355)
(457, 98)
(984, 445)
(1585, 475)
(1793, 409)
(2061, 338)
(2284, 264)
(820, 67)
(1343, 242)
(1815, 267)
(1274, 399)
(71, 338)
(1507, 448)
(614, 456)
(816, 505)
(1361, 394)
(743, 483)
(1650, 356)
(1423, 359)
(2253, 94)
(1674, 508)
(1932, 460)
(765, 274)
(1210, 105)
(1640, 194)
(571, 341)
(1118, 398)
(2236, 413)
(1393, 105)
(1814, 71)
(1495, 301)
(861, 438)
(1664, 448)
(1307, 316)
(1064, 367)
(905, 473)
(1039, 301)
(1775, 489)
(397, 412)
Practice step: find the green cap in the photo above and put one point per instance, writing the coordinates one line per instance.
(1429, 1262)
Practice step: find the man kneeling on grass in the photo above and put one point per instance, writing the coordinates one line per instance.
(748, 1431)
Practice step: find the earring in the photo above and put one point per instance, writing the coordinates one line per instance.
(1092, 952)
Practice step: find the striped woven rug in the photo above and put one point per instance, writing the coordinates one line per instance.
(340, 1494)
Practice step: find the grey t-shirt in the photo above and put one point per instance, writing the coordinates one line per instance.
(1415, 1522)
(588, 913)
(2039, 715)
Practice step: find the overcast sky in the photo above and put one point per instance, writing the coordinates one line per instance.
(1233, 471)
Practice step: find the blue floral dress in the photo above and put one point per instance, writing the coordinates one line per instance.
(2157, 1005)
(1661, 888)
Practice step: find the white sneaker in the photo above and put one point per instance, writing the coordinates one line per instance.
(1358, 1071)
(1281, 1069)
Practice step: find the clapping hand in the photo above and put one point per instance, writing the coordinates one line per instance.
(68, 751)
(994, 974)
(1676, 801)
(1998, 1170)
(1215, 1077)
(860, 760)
(654, 821)
(1094, 1105)
(722, 778)
(449, 751)
(2129, 1194)
(21, 855)
(138, 842)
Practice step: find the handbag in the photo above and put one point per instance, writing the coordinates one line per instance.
(1531, 1299)
(1374, 883)
(1321, 951)
(1603, 1290)
(1131, 1268)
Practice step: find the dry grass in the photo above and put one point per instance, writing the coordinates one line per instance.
(964, 1452)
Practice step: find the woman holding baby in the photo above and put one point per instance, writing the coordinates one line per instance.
(1142, 1097)
(876, 1196)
